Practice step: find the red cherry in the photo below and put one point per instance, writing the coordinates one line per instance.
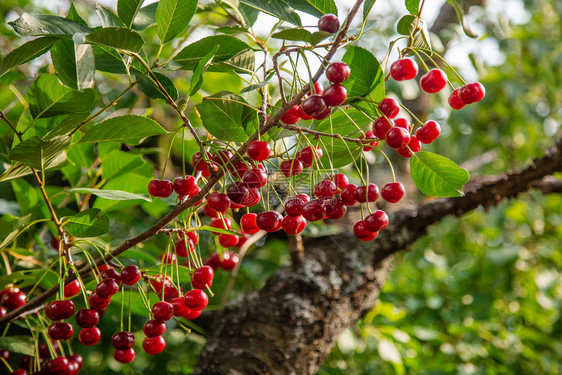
(59, 310)
(338, 72)
(111, 273)
(341, 180)
(218, 201)
(303, 197)
(455, 101)
(239, 169)
(196, 299)
(472, 92)
(185, 185)
(192, 314)
(392, 192)
(376, 221)
(202, 277)
(199, 162)
(181, 247)
(433, 81)
(221, 157)
(97, 302)
(5, 355)
(293, 224)
(76, 358)
(131, 275)
(162, 311)
(60, 331)
(123, 340)
(325, 189)
(210, 212)
(360, 231)
(289, 118)
(106, 288)
(369, 134)
(12, 299)
(71, 289)
(237, 192)
(414, 146)
(389, 107)
(329, 23)
(348, 195)
(397, 137)
(154, 327)
(54, 242)
(44, 349)
(307, 155)
(228, 240)
(403, 123)
(313, 105)
(314, 210)
(259, 150)
(404, 69)
(269, 221)
(429, 132)
(324, 115)
(170, 292)
(318, 89)
(381, 127)
(230, 260)
(154, 345)
(56, 366)
(160, 188)
(335, 209)
(303, 115)
(221, 223)
(87, 318)
(362, 194)
(255, 178)
(248, 223)
(180, 309)
(124, 356)
(89, 336)
(20, 372)
(294, 207)
(252, 198)
(335, 95)
(242, 240)
(291, 167)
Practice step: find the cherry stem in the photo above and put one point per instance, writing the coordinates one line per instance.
(389, 164)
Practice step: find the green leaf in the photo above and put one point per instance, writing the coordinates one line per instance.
(227, 116)
(367, 6)
(29, 25)
(229, 48)
(457, 4)
(127, 10)
(115, 37)
(146, 17)
(88, 223)
(318, 36)
(413, 6)
(254, 87)
(317, 8)
(173, 16)
(108, 18)
(74, 63)
(118, 162)
(200, 69)
(39, 153)
(249, 13)
(48, 97)
(114, 195)
(18, 344)
(436, 175)
(406, 25)
(217, 230)
(297, 34)
(74, 16)
(277, 8)
(19, 170)
(130, 129)
(26, 52)
(365, 70)
(148, 86)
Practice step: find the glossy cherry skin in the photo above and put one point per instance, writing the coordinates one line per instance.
(106, 288)
(185, 185)
(403, 123)
(335, 95)
(294, 207)
(56, 366)
(228, 240)
(218, 201)
(124, 356)
(381, 127)
(329, 23)
(335, 209)
(59, 310)
(221, 157)
(433, 81)
(392, 192)
(307, 155)
(154, 345)
(455, 101)
(313, 105)
(255, 178)
(221, 223)
(71, 289)
(199, 162)
(258, 150)
(413, 146)
(153, 327)
(237, 192)
(131, 275)
(12, 299)
(404, 69)
(314, 210)
(324, 115)
(111, 273)
(293, 224)
(376, 221)
(248, 223)
(239, 169)
(364, 194)
(348, 195)
(389, 107)
(303, 115)
(60, 331)
(369, 134)
(160, 188)
(338, 72)
(472, 92)
(340, 180)
(229, 261)
(291, 167)
(87, 318)
(397, 137)
(291, 117)
(325, 189)
(361, 232)
(429, 132)
(123, 340)
(77, 358)
(97, 302)
(196, 299)
(270, 221)
(202, 277)
(163, 311)
(90, 336)
(318, 89)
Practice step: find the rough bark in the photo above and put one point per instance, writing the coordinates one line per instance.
(290, 325)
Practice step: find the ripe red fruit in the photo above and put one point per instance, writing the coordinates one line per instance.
(294, 206)
(228, 240)
(429, 132)
(87, 318)
(392, 192)
(318, 89)
(314, 210)
(270, 221)
(381, 127)
(106, 288)
(218, 201)
(123, 340)
(221, 157)
(364, 194)
(202, 277)
(192, 314)
(404, 69)
(131, 275)
(60, 331)
(111, 273)
(402, 123)
(154, 345)
(71, 289)
(369, 134)
(124, 356)
(221, 223)
(255, 178)
(377, 221)
(59, 310)
(303, 115)
(291, 167)
(313, 105)
(242, 240)
(199, 162)
(329, 23)
(196, 299)
(413, 146)
(153, 327)
(160, 188)
(229, 261)
(76, 358)
(307, 155)
(348, 195)
(324, 115)
(54, 242)
(360, 231)
(389, 107)
(433, 81)
(12, 299)
(259, 150)
(335, 209)
(89, 336)
(291, 117)
(180, 309)
(293, 224)
(455, 101)
(472, 92)
(57, 366)
(338, 72)
(97, 302)
(248, 223)
(397, 137)
(239, 169)
(20, 372)
(335, 95)
(237, 192)
(185, 185)
(325, 189)
(162, 311)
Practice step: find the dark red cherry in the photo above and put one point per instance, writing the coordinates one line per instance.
(472, 92)
(60, 331)
(318, 89)
(455, 101)
(329, 23)
(181, 247)
(248, 223)
(199, 162)
(392, 192)
(293, 224)
(313, 105)
(314, 210)
(335, 95)
(237, 192)
(154, 345)
(218, 201)
(251, 199)
(307, 155)
(163, 311)
(325, 189)
(259, 150)
(291, 117)
(87, 318)
(228, 240)
(97, 302)
(376, 221)
(111, 273)
(341, 180)
(413, 146)
(13, 298)
(59, 310)
(210, 212)
(180, 309)
(335, 209)
(324, 115)
(429, 132)
(303, 197)
(369, 134)
(131, 275)
(124, 356)
(348, 195)
(123, 340)
(338, 72)
(221, 223)
(89, 336)
(303, 115)
(389, 107)
(71, 289)
(294, 207)
(56, 366)
(381, 127)
(160, 188)
(153, 327)
(364, 194)
(77, 358)
(397, 137)
(239, 169)
(255, 178)
(54, 242)
(106, 288)
(221, 157)
(229, 261)
(404, 69)
(185, 185)
(291, 167)
(202, 277)
(360, 231)
(196, 299)
(433, 81)
(270, 221)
